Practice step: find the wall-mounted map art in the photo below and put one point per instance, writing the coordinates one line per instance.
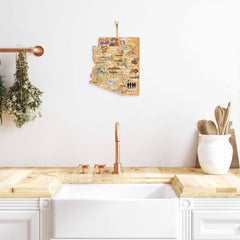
(117, 65)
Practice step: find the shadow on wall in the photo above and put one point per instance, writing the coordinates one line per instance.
(192, 152)
(36, 143)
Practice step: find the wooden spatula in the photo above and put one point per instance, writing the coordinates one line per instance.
(219, 116)
(226, 119)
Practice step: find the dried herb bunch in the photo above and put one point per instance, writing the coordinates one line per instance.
(2, 96)
(22, 100)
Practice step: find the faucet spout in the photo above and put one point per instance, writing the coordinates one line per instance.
(117, 168)
(117, 131)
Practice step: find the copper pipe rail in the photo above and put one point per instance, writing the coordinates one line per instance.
(37, 50)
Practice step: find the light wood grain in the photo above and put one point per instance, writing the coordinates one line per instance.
(187, 182)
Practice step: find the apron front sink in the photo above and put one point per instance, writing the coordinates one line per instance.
(115, 211)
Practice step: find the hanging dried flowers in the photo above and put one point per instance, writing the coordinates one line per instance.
(22, 100)
(2, 96)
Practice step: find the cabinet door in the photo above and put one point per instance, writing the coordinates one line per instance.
(19, 225)
(216, 224)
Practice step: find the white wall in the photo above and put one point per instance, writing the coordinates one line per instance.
(190, 62)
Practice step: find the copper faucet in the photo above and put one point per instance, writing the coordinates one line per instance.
(117, 168)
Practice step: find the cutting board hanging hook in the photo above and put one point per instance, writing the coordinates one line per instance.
(116, 22)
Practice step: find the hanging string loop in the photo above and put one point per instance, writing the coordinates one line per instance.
(116, 22)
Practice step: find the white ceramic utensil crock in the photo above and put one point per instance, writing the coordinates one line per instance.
(215, 153)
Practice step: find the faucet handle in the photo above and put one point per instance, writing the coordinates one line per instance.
(99, 167)
(83, 167)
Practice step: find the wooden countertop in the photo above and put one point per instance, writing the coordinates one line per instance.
(188, 182)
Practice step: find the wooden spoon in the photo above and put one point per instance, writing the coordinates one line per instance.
(207, 127)
(219, 116)
(210, 128)
(201, 127)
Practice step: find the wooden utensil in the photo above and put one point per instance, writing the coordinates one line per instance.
(210, 128)
(207, 127)
(226, 120)
(219, 116)
(201, 126)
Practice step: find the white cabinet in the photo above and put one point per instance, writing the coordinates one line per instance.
(19, 225)
(216, 224)
(19, 219)
(210, 219)
(200, 219)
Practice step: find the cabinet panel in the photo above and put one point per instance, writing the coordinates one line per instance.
(19, 225)
(113, 239)
(216, 224)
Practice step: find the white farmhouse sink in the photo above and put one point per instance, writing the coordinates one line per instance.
(115, 211)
